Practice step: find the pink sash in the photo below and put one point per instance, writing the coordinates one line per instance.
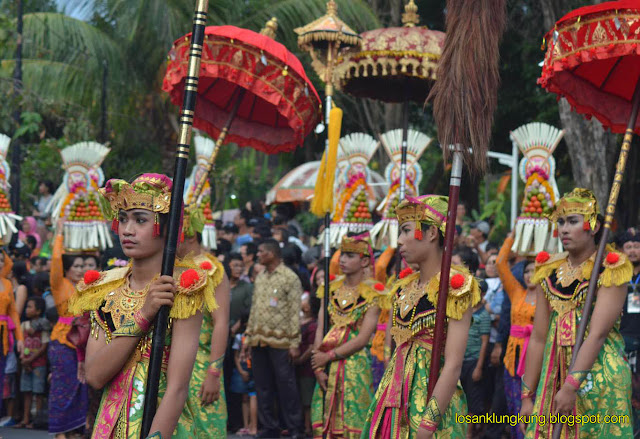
(66, 320)
(525, 333)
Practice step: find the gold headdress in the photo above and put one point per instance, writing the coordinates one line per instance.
(150, 192)
(428, 209)
(360, 244)
(577, 202)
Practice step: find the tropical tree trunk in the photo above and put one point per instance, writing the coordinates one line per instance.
(593, 150)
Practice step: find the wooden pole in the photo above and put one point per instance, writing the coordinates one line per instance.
(175, 211)
(445, 269)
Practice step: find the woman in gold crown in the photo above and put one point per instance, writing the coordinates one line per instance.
(353, 313)
(400, 408)
(599, 384)
(123, 303)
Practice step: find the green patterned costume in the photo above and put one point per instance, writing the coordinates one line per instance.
(400, 403)
(209, 421)
(198, 421)
(350, 383)
(606, 390)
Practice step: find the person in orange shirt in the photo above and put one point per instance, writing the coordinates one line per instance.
(523, 308)
(9, 318)
(67, 394)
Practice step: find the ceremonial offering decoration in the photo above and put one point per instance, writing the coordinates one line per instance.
(76, 201)
(352, 212)
(534, 233)
(202, 201)
(385, 232)
(7, 215)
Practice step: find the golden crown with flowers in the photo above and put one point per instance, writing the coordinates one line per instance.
(150, 192)
(577, 202)
(427, 209)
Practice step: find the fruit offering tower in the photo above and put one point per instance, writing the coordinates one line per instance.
(534, 233)
(385, 232)
(7, 216)
(77, 201)
(202, 201)
(352, 212)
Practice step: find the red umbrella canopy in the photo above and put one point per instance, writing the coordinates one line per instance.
(279, 106)
(593, 60)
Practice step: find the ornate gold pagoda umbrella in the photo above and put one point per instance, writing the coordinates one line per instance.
(396, 64)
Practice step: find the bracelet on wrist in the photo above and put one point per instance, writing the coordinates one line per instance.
(214, 371)
(526, 392)
(573, 382)
(432, 416)
(332, 354)
(429, 425)
(142, 322)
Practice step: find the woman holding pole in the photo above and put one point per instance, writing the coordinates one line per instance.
(400, 408)
(124, 301)
(599, 384)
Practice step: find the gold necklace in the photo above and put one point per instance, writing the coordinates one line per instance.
(409, 297)
(345, 296)
(566, 274)
(123, 302)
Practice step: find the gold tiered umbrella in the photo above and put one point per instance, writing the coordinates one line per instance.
(396, 64)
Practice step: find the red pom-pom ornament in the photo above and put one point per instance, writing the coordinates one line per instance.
(206, 265)
(379, 286)
(542, 257)
(612, 258)
(91, 276)
(332, 277)
(189, 278)
(457, 281)
(406, 272)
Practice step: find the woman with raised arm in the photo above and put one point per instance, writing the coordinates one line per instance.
(599, 384)
(123, 303)
(400, 408)
(523, 308)
(68, 399)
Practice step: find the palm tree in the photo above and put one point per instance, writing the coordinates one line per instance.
(65, 57)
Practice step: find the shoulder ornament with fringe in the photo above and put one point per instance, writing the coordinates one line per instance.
(547, 264)
(90, 296)
(617, 268)
(195, 290)
(196, 287)
(464, 291)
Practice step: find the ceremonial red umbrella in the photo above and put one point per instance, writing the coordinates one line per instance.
(252, 90)
(593, 60)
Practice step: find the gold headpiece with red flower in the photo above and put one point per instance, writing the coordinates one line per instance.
(150, 192)
(577, 202)
(427, 209)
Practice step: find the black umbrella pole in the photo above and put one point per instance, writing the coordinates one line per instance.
(608, 221)
(175, 212)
